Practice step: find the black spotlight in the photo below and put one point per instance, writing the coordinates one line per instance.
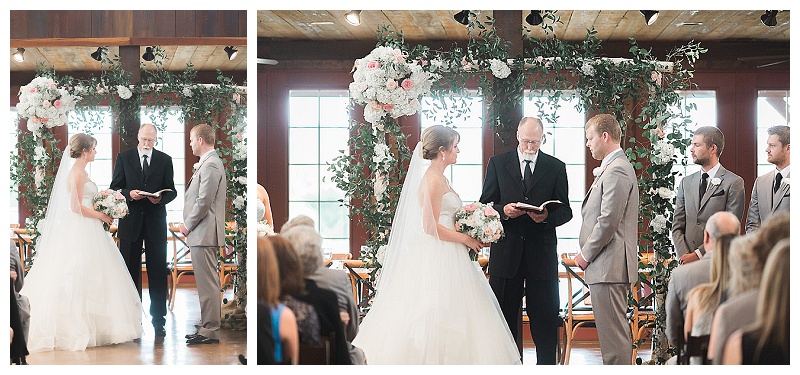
(19, 55)
(148, 54)
(650, 16)
(769, 19)
(462, 17)
(535, 18)
(98, 55)
(232, 52)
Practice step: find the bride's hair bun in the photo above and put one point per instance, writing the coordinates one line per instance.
(80, 142)
(437, 136)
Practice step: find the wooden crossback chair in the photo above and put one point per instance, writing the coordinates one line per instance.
(643, 296)
(362, 286)
(180, 264)
(228, 262)
(322, 354)
(575, 313)
(694, 346)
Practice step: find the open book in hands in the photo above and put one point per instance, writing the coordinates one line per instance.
(549, 205)
(154, 195)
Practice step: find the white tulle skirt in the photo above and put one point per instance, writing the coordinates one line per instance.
(80, 291)
(436, 307)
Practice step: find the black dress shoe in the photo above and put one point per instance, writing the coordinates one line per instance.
(160, 331)
(200, 339)
(191, 336)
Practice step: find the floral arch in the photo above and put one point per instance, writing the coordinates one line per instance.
(49, 98)
(640, 90)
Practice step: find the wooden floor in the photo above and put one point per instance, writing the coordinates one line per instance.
(151, 350)
(582, 353)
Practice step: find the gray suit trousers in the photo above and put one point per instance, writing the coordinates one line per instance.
(610, 305)
(204, 262)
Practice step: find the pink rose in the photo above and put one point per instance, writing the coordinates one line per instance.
(388, 107)
(398, 55)
(487, 231)
(496, 236)
(52, 84)
(423, 62)
(42, 120)
(660, 132)
(489, 212)
(46, 104)
(375, 106)
(373, 65)
(470, 207)
(57, 104)
(655, 76)
(391, 84)
(413, 102)
(236, 97)
(407, 84)
(32, 90)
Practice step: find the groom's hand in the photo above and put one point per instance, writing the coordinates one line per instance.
(580, 262)
(512, 211)
(184, 230)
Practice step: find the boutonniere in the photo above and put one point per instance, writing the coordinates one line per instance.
(195, 167)
(716, 181)
(598, 171)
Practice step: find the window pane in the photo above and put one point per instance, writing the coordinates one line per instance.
(468, 181)
(303, 145)
(331, 145)
(704, 115)
(327, 189)
(335, 110)
(303, 183)
(333, 220)
(304, 111)
(773, 109)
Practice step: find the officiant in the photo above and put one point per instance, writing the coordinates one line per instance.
(525, 261)
(145, 169)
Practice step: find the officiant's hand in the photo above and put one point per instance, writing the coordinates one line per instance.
(538, 218)
(135, 195)
(154, 200)
(512, 211)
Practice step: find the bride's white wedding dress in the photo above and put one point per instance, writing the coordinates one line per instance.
(80, 292)
(437, 308)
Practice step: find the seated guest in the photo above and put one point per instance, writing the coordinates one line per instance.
(687, 276)
(19, 315)
(308, 243)
(278, 338)
(746, 262)
(766, 342)
(298, 220)
(324, 302)
(704, 298)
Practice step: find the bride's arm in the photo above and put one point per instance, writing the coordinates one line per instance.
(436, 190)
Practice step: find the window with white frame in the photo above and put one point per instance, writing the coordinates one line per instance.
(318, 130)
(466, 176)
(565, 141)
(703, 113)
(101, 168)
(172, 135)
(773, 109)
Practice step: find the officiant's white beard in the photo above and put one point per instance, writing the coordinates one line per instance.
(528, 154)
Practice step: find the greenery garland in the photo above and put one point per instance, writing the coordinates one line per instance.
(163, 93)
(641, 91)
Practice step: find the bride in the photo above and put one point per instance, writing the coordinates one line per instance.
(433, 306)
(80, 292)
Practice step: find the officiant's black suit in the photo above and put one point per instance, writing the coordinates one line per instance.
(146, 223)
(526, 260)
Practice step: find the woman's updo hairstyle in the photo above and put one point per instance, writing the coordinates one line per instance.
(437, 136)
(80, 142)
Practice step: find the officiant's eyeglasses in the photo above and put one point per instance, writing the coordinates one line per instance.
(530, 143)
(148, 140)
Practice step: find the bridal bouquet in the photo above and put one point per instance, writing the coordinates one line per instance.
(44, 104)
(480, 221)
(385, 83)
(111, 203)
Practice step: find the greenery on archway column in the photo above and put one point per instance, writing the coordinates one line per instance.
(163, 94)
(641, 91)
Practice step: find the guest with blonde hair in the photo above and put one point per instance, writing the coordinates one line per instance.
(767, 341)
(278, 338)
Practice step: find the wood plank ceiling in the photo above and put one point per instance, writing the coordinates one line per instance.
(611, 25)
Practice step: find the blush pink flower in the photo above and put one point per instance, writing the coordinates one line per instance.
(655, 76)
(470, 207)
(660, 132)
(407, 84)
(375, 106)
(32, 90)
(489, 212)
(388, 107)
(57, 104)
(391, 84)
(46, 104)
(413, 102)
(373, 65)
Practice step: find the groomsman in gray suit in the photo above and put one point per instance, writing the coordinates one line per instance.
(204, 228)
(703, 193)
(771, 191)
(608, 238)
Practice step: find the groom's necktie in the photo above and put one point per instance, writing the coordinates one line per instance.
(703, 185)
(145, 166)
(778, 179)
(526, 180)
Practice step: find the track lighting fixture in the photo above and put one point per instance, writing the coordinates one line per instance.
(650, 16)
(535, 18)
(98, 55)
(232, 52)
(769, 19)
(19, 55)
(353, 17)
(462, 17)
(148, 54)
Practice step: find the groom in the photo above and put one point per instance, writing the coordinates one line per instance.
(146, 169)
(525, 261)
(204, 228)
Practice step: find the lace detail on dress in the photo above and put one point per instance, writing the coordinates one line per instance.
(307, 320)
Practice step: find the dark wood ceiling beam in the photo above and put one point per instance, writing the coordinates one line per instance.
(127, 41)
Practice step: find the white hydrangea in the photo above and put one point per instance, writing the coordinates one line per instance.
(499, 68)
(187, 92)
(663, 152)
(382, 154)
(588, 69)
(124, 92)
(239, 202)
(659, 223)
